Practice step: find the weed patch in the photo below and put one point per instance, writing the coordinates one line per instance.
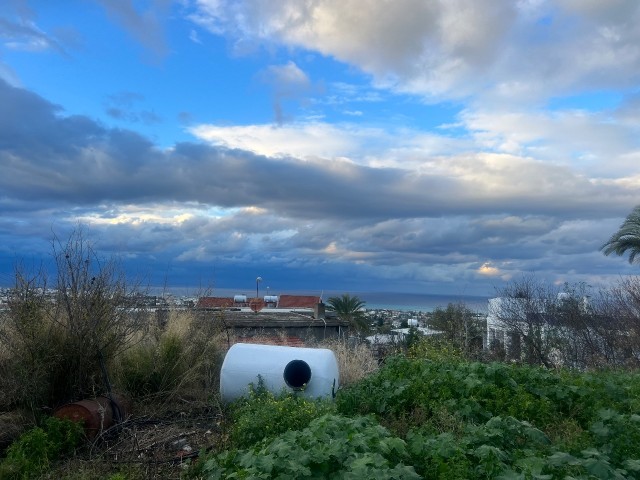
(330, 447)
(35, 450)
(264, 415)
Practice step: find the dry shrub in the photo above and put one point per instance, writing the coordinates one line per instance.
(35, 353)
(354, 361)
(177, 360)
(59, 336)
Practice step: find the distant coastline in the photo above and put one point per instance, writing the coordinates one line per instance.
(421, 302)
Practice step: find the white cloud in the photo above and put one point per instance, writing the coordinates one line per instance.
(496, 49)
(592, 143)
(19, 31)
(303, 140)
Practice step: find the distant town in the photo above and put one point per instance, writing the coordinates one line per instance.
(394, 317)
(296, 314)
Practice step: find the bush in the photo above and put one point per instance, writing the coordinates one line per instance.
(434, 349)
(60, 335)
(476, 392)
(38, 448)
(264, 415)
(152, 368)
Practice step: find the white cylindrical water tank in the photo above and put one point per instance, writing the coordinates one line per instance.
(271, 299)
(311, 371)
(240, 298)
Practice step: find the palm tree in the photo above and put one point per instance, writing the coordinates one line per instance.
(627, 238)
(349, 308)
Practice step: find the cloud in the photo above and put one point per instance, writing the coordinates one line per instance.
(146, 26)
(488, 270)
(245, 202)
(9, 75)
(194, 37)
(304, 140)
(122, 106)
(498, 50)
(19, 31)
(287, 82)
(590, 141)
(87, 160)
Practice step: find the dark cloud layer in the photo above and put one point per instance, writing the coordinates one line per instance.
(327, 215)
(50, 157)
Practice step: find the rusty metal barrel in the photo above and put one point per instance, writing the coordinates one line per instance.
(96, 414)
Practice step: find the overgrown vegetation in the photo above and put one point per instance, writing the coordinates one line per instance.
(355, 361)
(37, 449)
(84, 334)
(181, 357)
(332, 446)
(449, 419)
(264, 415)
(573, 326)
(432, 412)
(60, 335)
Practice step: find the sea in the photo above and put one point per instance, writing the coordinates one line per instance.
(421, 302)
(417, 302)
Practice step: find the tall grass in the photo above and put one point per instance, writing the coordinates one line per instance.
(178, 360)
(354, 361)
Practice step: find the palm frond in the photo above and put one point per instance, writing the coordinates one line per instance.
(627, 238)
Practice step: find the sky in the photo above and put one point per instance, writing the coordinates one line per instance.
(422, 146)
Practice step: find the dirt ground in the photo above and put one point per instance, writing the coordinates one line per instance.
(148, 447)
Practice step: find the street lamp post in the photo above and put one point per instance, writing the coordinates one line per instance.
(258, 280)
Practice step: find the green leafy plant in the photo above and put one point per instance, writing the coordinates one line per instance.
(617, 435)
(36, 449)
(434, 349)
(331, 446)
(476, 392)
(265, 415)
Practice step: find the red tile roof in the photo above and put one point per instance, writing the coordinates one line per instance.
(298, 301)
(213, 302)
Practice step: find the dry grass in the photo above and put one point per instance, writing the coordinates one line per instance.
(178, 360)
(354, 361)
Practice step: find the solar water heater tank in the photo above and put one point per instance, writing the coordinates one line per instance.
(312, 372)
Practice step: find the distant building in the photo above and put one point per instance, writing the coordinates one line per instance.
(292, 320)
(298, 301)
(270, 301)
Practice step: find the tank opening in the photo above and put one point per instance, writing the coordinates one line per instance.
(297, 374)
